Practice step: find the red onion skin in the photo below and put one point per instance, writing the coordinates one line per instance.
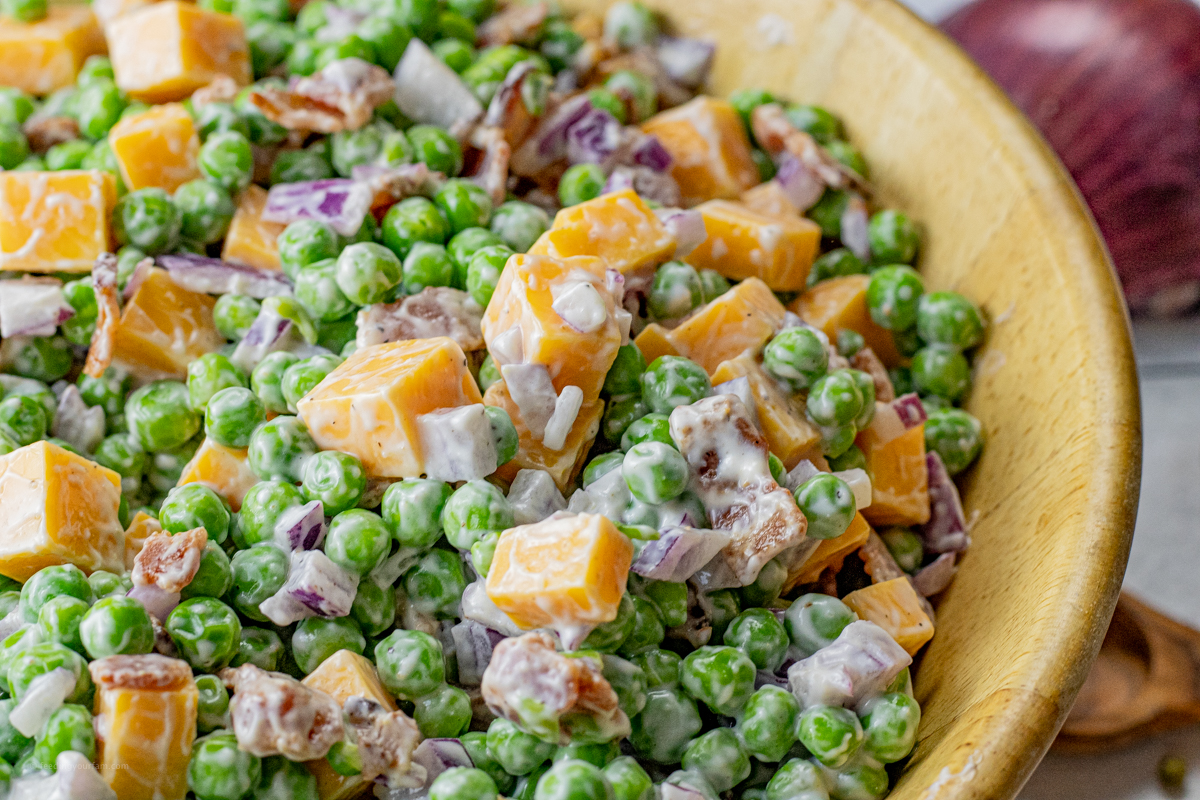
(1114, 85)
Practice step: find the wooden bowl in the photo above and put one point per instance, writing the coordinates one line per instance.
(1056, 488)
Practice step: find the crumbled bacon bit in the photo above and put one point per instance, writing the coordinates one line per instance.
(342, 96)
(507, 110)
(526, 671)
(492, 173)
(45, 132)
(776, 134)
(149, 671)
(386, 740)
(515, 24)
(163, 644)
(169, 561)
(434, 311)
(881, 566)
(868, 362)
(108, 316)
(274, 714)
(221, 89)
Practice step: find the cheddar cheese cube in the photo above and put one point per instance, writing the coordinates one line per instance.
(369, 405)
(141, 527)
(59, 508)
(251, 240)
(157, 147)
(342, 676)
(164, 327)
(744, 243)
(617, 227)
(55, 221)
(899, 479)
(146, 709)
(789, 434)
(563, 465)
(841, 303)
(711, 152)
(655, 341)
(521, 317)
(896, 607)
(40, 57)
(168, 50)
(744, 318)
(830, 553)
(569, 569)
(225, 470)
(770, 198)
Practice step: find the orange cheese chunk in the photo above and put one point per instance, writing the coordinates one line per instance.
(523, 303)
(830, 553)
(789, 434)
(250, 240)
(43, 56)
(168, 50)
(896, 607)
(147, 721)
(563, 465)
(743, 243)
(711, 151)
(343, 675)
(899, 480)
(140, 528)
(55, 221)
(744, 318)
(655, 341)
(59, 508)
(223, 469)
(156, 148)
(164, 327)
(617, 227)
(841, 303)
(770, 198)
(369, 405)
(568, 570)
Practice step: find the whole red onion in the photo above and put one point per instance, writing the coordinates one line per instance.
(1114, 85)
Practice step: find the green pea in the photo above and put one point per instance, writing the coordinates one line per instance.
(608, 636)
(475, 507)
(600, 466)
(278, 449)
(504, 433)
(465, 204)
(580, 183)
(647, 631)
(954, 435)
(15, 108)
(483, 272)
(519, 224)
(209, 374)
(628, 681)
(490, 68)
(827, 213)
(108, 391)
(835, 399)
(67, 155)
(573, 780)
(427, 264)
(475, 743)
(654, 472)
(671, 600)
(267, 380)
(796, 356)
(767, 586)
(744, 101)
(302, 377)
(13, 743)
(214, 576)
(890, 725)
(69, 728)
(457, 54)
(160, 416)
(941, 370)
(226, 160)
(849, 156)
(628, 780)
(60, 618)
(436, 148)
(830, 733)
(672, 381)
(948, 318)
(625, 375)
(374, 607)
(40, 659)
(676, 291)
(78, 329)
(638, 92)
(410, 665)
(148, 220)
(357, 540)
(336, 479)
(412, 510)
(117, 626)
(232, 415)
(317, 638)
(193, 506)
(14, 148)
(828, 504)
(463, 783)
(297, 166)
(14, 645)
(797, 779)
(354, 148)
(22, 420)
(720, 677)
(415, 219)
(106, 584)
(465, 244)
(205, 631)
(650, 428)
(122, 454)
(519, 753)
(814, 621)
(215, 117)
(257, 573)
(50, 582)
(261, 507)
(205, 211)
(713, 284)
(99, 106)
(760, 635)
(836, 263)
(366, 272)
(443, 713)
(220, 770)
(435, 584)
(893, 297)
(621, 414)
(893, 237)
(165, 468)
(40, 358)
(668, 722)
(306, 242)
(719, 756)
(260, 647)
(388, 39)
(767, 726)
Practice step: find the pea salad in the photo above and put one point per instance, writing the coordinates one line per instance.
(449, 400)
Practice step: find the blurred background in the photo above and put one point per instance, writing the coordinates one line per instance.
(1115, 87)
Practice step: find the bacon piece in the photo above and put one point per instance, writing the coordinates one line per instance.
(274, 714)
(342, 96)
(515, 24)
(777, 135)
(45, 132)
(866, 361)
(881, 566)
(169, 561)
(386, 741)
(149, 671)
(541, 690)
(391, 184)
(728, 459)
(108, 316)
(492, 173)
(434, 311)
(222, 89)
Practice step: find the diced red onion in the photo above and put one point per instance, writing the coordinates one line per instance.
(473, 644)
(740, 388)
(618, 180)
(594, 139)
(457, 443)
(580, 305)
(799, 474)
(648, 151)
(269, 332)
(678, 553)
(548, 144)
(566, 410)
(686, 61)
(887, 425)
(674, 791)
(910, 409)
(301, 527)
(478, 606)
(686, 225)
(946, 531)
(32, 308)
(854, 227)
(74, 778)
(315, 583)
(159, 603)
(860, 483)
(76, 422)
(428, 91)
(141, 271)
(11, 622)
(661, 187)
(214, 276)
(45, 695)
(340, 202)
(534, 496)
(395, 565)
(801, 185)
(860, 663)
(533, 392)
(764, 677)
(439, 755)
(935, 576)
